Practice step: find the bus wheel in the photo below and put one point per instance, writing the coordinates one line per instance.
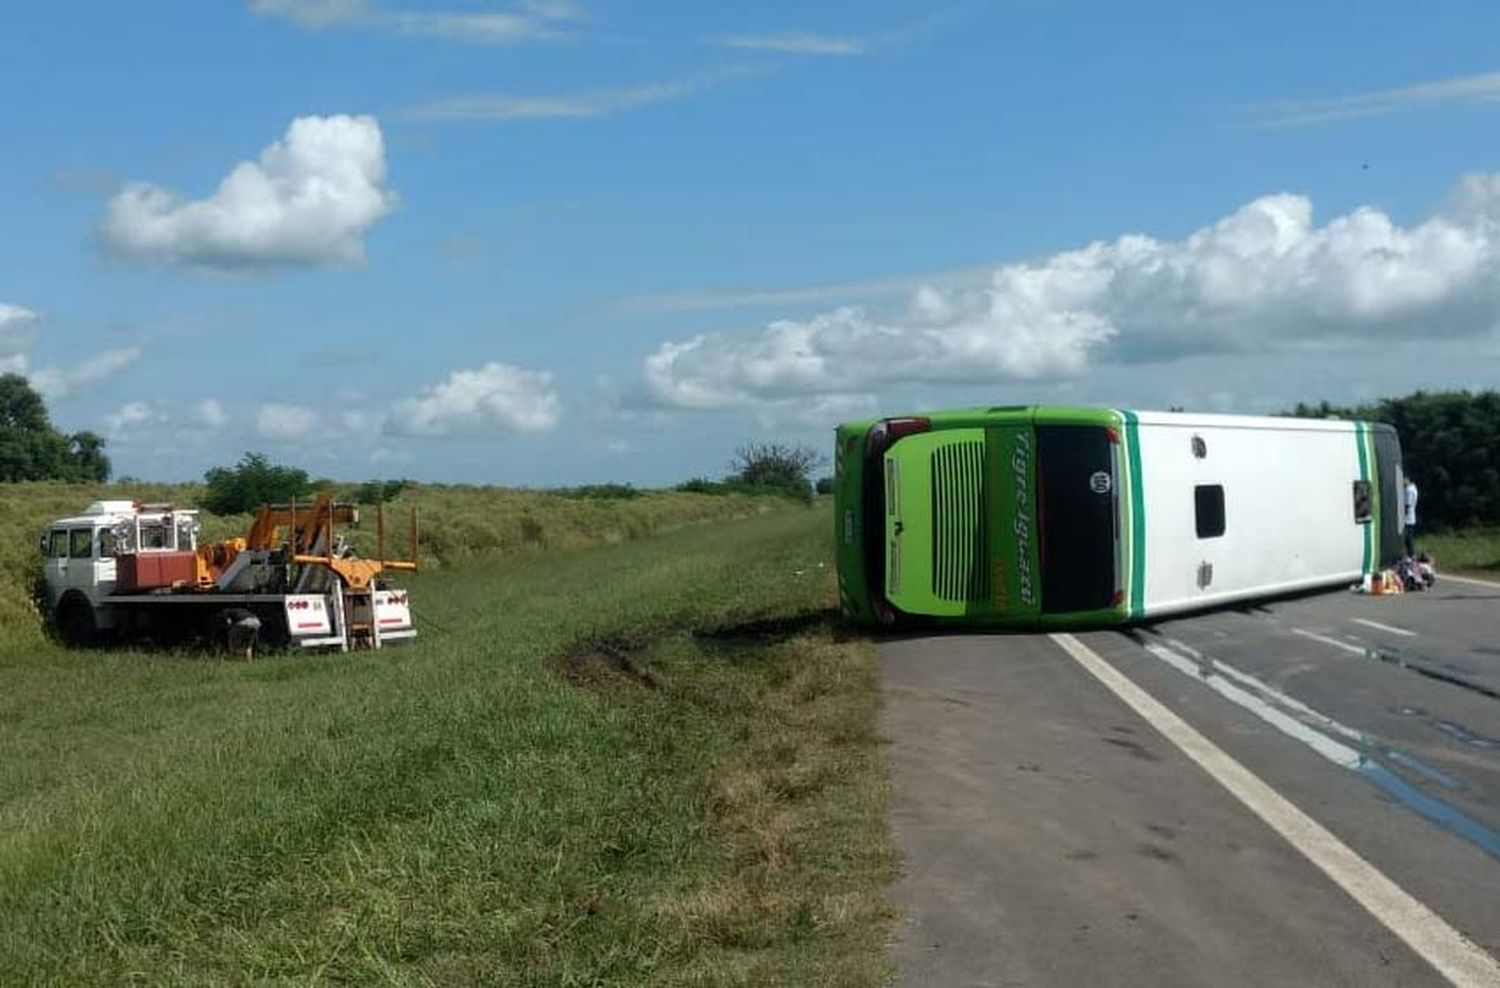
(75, 622)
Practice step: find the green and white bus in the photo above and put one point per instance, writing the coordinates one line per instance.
(1054, 516)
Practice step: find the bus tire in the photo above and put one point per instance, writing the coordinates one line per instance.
(75, 621)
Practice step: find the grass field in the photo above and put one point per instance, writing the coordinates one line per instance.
(1476, 551)
(651, 762)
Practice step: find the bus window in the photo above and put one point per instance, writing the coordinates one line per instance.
(81, 543)
(108, 543)
(1208, 507)
(58, 547)
(1076, 516)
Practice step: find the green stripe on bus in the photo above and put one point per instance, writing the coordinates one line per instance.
(1364, 475)
(1137, 517)
(1375, 501)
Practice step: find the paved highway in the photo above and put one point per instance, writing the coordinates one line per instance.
(1305, 792)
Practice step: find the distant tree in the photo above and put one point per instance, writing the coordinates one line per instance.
(20, 406)
(254, 481)
(31, 449)
(1448, 446)
(379, 491)
(776, 467)
(87, 449)
(825, 485)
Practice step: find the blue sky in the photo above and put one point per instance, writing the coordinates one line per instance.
(579, 240)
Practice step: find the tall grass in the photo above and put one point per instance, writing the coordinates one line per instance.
(1475, 551)
(497, 803)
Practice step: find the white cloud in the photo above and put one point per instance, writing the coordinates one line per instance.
(17, 333)
(579, 105)
(167, 422)
(16, 329)
(1482, 88)
(308, 200)
(313, 13)
(128, 416)
(493, 399)
(209, 412)
(535, 20)
(666, 303)
(797, 43)
(60, 382)
(1263, 278)
(286, 423)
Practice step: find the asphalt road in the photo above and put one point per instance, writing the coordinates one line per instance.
(1055, 836)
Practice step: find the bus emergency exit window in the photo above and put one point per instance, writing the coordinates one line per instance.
(1208, 505)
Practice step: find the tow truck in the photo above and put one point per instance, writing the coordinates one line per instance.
(131, 571)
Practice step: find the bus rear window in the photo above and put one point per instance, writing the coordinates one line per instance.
(1076, 515)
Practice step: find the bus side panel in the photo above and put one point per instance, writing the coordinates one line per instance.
(1288, 497)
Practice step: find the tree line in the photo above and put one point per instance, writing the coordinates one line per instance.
(1450, 446)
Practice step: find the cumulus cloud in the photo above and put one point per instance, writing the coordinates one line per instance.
(1264, 277)
(531, 20)
(489, 400)
(286, 423)
(16, 328)
(165, 420)
(129, 415)
(308, 200)
(210, 412)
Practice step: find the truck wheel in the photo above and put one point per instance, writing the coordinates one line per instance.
(75, 622)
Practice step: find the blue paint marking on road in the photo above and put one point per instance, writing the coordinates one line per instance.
(1297, 720)
(1445, 815)
(1422, 768)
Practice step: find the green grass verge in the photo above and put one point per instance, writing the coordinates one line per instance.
(1475, 551)
(594, 768)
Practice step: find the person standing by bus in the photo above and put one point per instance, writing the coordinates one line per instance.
(1409, 516)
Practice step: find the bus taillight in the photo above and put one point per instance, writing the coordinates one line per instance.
(884, 434)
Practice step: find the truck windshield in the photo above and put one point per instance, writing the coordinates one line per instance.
(1077, 517)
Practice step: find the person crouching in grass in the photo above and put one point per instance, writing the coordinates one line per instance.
(241, 629)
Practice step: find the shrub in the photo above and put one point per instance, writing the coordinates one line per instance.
(777, 467)
(378, 491)
(254, 481)
(701, 485)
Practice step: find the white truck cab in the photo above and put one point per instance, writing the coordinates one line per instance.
(78, 557)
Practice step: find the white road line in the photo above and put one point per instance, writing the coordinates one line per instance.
(1384, 627)
(1355, 649)
(1457, 958)
(1469, 579)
